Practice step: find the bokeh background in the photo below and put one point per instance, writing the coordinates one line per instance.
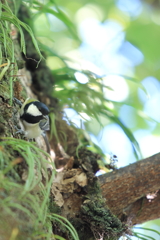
(118, 41)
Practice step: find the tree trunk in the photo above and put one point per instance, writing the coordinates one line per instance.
(99, 208)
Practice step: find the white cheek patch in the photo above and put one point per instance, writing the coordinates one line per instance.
(33, 110)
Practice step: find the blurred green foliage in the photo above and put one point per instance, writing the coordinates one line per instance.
(56, 25)
(57, 28)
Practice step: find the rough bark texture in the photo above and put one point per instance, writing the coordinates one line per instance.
(90, 206)
(125, 190)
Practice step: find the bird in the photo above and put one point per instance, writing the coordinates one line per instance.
(34, 120)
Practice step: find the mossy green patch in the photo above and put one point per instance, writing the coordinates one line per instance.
(101, 220)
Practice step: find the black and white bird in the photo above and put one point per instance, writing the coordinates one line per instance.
(34, 119)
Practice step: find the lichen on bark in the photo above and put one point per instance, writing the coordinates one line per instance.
(82, 201)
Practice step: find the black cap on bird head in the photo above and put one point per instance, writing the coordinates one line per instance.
(34, 112)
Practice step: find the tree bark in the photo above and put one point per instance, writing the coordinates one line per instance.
(125, 190)
(76, 189)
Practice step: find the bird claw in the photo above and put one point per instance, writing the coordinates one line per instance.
(19, 131)
(18, 102)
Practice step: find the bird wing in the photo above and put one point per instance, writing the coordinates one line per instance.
(44, 124)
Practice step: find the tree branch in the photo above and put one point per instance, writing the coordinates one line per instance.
(125, 190)
(143, 210)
